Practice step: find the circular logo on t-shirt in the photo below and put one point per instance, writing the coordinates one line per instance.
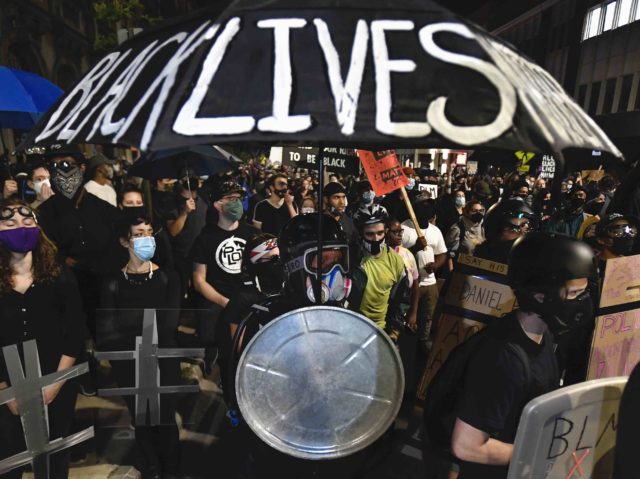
(229, 254)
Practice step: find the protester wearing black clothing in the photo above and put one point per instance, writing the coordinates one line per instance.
(39, 299)
(270, 215)
(217, 259)
(123, 297)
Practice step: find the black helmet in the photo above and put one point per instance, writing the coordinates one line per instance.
(500, 214)
(539, 261)
(542, 263)
(370, 215)
(268, 276)
(298, 242)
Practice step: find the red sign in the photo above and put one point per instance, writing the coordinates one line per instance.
(383, 170)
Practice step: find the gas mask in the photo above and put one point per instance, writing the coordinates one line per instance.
(373, 247)
(560, 315)
(336, 286)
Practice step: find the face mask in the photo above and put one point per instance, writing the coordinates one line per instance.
(133, 212)
(37, 185)
(373, 247)
(281, 193)
(336, 286)
(191, 184)
(577, 203)
(20, 240)
(233, 210)
(305, 211)
(108, 172)
(560, 315)
(411, 185)
(67, 182)
(460, 201)
(622, 246)
(116, 167)
(269, 276)
(144, 248)
(368, 197)
(477, 217)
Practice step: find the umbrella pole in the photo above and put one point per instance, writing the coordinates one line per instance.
(558, 177)
(317, 285)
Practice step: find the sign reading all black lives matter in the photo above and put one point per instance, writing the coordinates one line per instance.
(336, 160)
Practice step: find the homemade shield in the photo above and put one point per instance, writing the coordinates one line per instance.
(320, 383)
(569, 433)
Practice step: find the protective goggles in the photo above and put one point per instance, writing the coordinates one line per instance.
(331, 256)
(9, 212)
(619, 231)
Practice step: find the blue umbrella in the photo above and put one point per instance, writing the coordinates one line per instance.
(24, 98)
(204, 160)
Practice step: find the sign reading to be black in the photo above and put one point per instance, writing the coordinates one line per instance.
(336, 160)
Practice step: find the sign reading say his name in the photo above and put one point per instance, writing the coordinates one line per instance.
(615, 349)
(475, 294)
(569, 433)
(335, 160)
(383, 170)
(353, 75)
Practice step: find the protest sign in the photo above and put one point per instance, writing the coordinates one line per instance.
(335, 160)
(432, 190)
(475, 294)
(615, 349)
(569, 433)
(383, 170)
(548, 167)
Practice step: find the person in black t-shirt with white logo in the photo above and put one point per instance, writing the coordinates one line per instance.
(217, 257)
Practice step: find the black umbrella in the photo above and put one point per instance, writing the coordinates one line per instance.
(381, 73)
(203, 160)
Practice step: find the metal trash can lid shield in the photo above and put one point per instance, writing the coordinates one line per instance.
(320, 383)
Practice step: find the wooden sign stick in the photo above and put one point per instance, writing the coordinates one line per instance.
(421, 239)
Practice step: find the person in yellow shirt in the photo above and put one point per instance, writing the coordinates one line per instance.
(382, 272)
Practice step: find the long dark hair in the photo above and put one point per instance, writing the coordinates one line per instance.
(44, 266)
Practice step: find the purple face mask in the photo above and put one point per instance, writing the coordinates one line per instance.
(20, 240)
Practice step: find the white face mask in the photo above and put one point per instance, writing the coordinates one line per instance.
(305, 211)
(37, 185)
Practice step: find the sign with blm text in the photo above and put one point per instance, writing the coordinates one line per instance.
(430, 189)
(383, 170)
(615, 349)
(476, 293)
(569, 433)
(336, 160)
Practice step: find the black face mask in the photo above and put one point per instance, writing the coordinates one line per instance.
(560, 315)
(373, 247)
(281, 193)
(477, 217)
(191, 184)
(577, 203)
(133, 212)
(623, 246)
(269, 275)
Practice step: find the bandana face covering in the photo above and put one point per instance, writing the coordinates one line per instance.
(68, 182)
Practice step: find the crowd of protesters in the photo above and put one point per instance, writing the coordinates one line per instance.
(78, 235)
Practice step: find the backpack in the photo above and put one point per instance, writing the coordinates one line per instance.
(447, 387)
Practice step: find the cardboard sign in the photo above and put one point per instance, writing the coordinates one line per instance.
(432, 190)
(524, 157)
(479, 294)
(383, 170)
(452, 330)
(569, 433)
(474, 295)
(615, 349)
(591, 175)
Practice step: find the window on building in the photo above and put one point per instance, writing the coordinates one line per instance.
(582, 95)
(609, 14)
(637, 15)
(593, 99)
(610, 89)
(624, 16)
(625, 93)
(593, 22)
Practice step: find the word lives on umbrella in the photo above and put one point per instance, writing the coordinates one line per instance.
(130, 90)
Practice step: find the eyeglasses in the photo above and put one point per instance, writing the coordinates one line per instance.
(618, 231)
(8, 212)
